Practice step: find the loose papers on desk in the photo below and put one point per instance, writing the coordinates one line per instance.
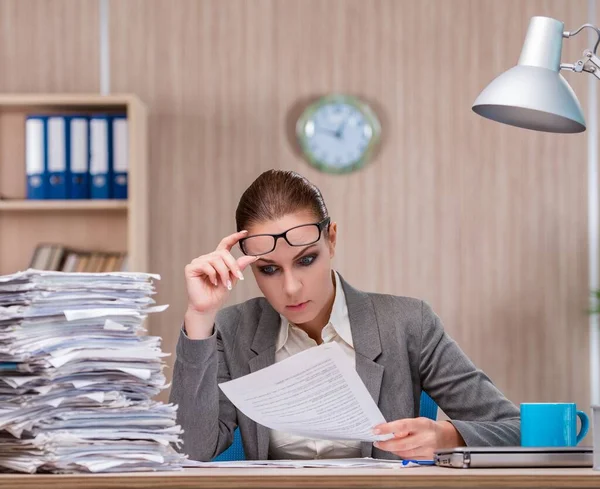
(315, 393)
(77, 375)
(337, 463)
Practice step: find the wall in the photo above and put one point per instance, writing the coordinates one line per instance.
(49, 46)
(485, 222)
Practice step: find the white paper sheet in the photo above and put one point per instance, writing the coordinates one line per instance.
(340, 463)
(316, 394)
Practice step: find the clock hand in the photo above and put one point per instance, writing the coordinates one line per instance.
(340, 130)
(328, 131)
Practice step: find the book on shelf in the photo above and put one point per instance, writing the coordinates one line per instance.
(58, 257)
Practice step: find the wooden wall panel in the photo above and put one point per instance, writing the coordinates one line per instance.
(486, 222)
(49, 46)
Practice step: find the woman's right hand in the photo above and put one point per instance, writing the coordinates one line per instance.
(209, 278)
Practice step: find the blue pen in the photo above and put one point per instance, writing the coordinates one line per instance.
(420, 462)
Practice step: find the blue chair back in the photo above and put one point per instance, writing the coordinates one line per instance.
(428, 409)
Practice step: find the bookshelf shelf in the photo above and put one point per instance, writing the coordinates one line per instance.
(63, 205)
(109, 226)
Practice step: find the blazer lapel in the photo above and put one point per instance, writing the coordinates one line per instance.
(367, 344)
(263, 345)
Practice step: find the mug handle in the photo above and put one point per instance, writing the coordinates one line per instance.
(585, 424)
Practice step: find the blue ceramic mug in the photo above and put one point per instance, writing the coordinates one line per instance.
(552, 424)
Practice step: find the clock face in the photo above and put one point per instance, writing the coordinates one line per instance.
(338, 133)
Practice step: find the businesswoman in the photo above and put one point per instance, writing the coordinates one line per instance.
(397, 344)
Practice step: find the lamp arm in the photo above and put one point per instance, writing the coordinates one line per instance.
(590, 63)
(568, 34)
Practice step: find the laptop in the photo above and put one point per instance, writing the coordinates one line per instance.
(479, 457)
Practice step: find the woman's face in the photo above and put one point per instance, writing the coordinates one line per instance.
(296, 280)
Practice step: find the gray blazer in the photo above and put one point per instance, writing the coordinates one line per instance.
(401, 348)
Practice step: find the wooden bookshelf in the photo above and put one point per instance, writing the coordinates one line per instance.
(65, 205)
(102, 225)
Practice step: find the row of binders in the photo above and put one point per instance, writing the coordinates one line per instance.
(56, 257)
(76, 156)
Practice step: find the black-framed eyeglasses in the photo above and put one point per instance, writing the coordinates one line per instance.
(303, 235)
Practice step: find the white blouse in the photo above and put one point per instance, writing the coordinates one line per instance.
(292, 340)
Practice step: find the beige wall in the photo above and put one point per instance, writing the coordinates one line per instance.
(486, 222)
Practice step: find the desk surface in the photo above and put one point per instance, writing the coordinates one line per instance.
(314, 478)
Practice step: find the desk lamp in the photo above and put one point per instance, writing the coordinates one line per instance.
(533, 95)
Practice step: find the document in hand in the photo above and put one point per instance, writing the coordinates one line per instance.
(315, 393)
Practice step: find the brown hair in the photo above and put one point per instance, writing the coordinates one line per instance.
(276, 193)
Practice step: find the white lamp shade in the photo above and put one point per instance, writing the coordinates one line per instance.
(532, 98)
(533, 94)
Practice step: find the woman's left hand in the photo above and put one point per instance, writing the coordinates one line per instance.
(417, 438)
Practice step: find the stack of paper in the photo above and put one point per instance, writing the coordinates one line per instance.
(77, 377)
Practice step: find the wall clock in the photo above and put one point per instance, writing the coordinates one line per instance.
(338, 133)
